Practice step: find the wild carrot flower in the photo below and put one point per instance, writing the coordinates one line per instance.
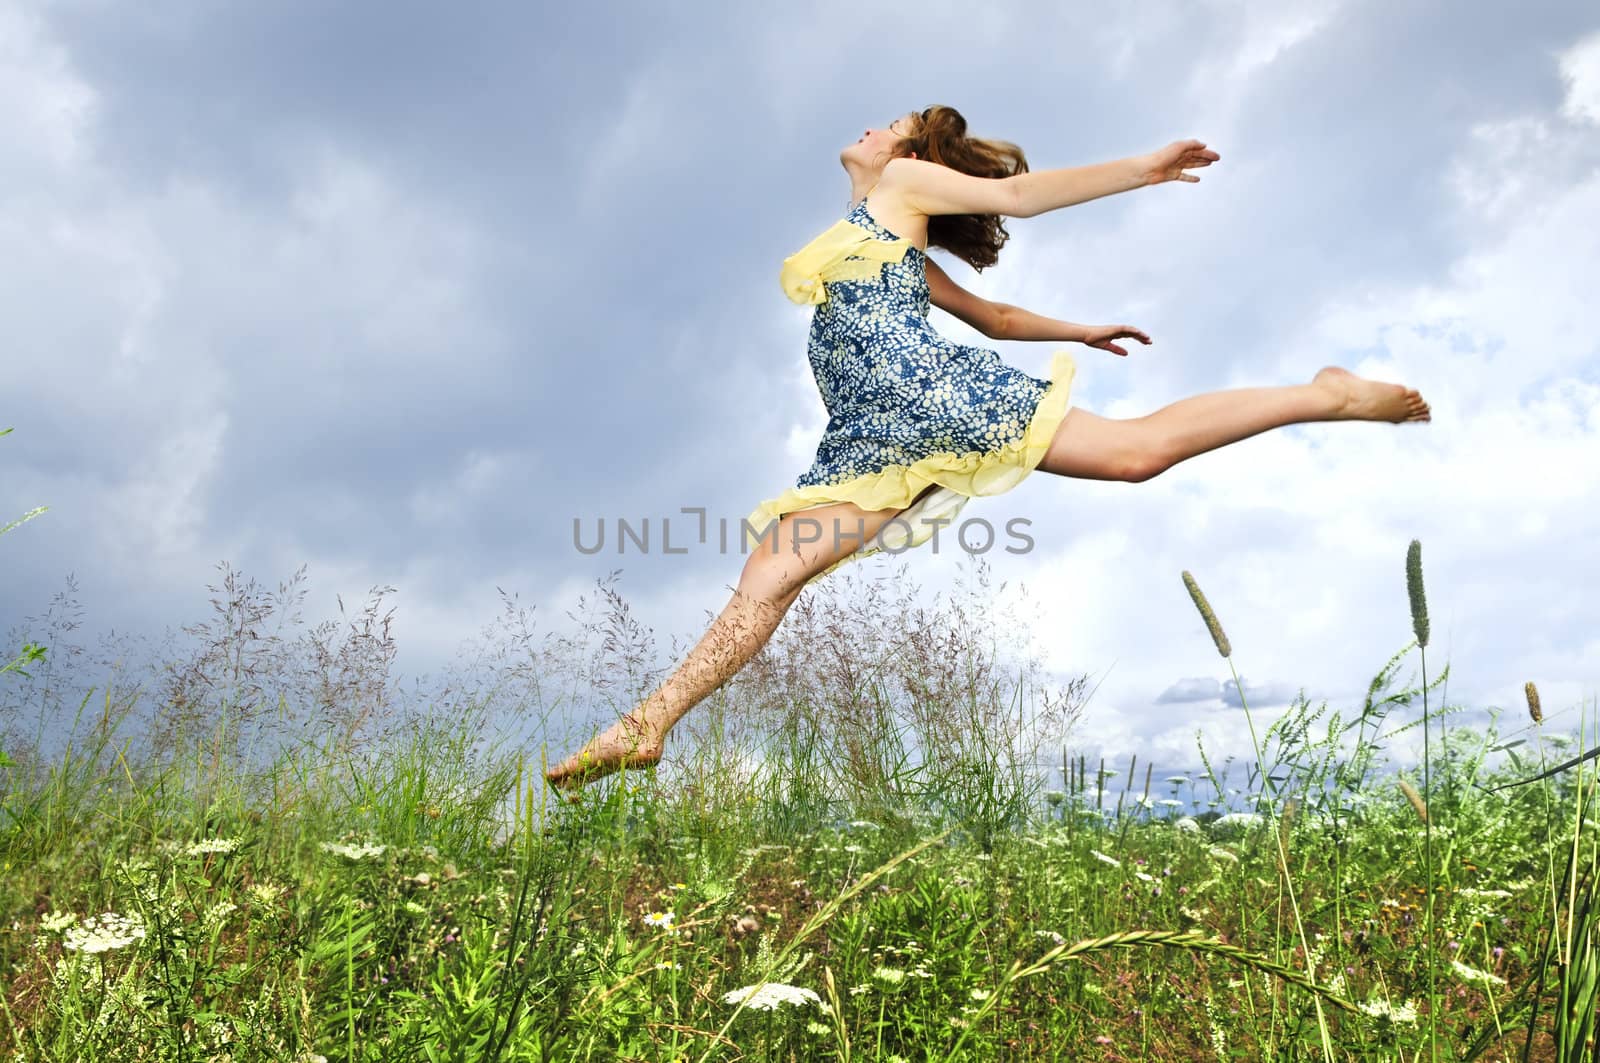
(889, 975)
(105, 932)
(354, 852)
(213, 845)
(1472, 974)
(56, 922)
(1104, 859)
(1382, 1009)
(768, 996)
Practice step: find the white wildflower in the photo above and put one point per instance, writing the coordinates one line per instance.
(1223, 854)
(767, 996)
(1472, 974)
(1382, 1009)
(1188, 824)
(1055, 938)
(1104, 859)
(218, 913)
(104, 932)
(354, 852)
(663, 920)
(979, 994)
(1236, 819)
(1147, 878)
(890, 975)
(213, 845)
(1170, 803)
(265, 892)
(56, 922)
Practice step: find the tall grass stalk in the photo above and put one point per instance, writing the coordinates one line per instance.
(1285, 876)
(1419, 626)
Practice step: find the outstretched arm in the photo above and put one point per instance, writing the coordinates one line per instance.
(1016, 323)
(1045, 190)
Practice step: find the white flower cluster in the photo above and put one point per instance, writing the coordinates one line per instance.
(767, 996)
(56, 922)
(213, 845)
(1382, 1009)
(104, 932)
(354, 852)
(218, 914)
(1472, 974)
(1104, 859)
(265, 892)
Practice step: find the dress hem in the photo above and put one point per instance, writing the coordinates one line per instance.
(959, 477)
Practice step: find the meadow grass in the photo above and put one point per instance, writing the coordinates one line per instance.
(847, 854)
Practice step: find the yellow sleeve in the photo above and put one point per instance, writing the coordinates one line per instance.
(824, 259)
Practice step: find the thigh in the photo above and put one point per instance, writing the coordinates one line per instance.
(1087, 446)
(807, 542)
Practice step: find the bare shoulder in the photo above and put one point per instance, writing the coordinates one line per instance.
(929, 188)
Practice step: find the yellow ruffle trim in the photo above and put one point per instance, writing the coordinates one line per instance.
(958, 477)
(805, 272)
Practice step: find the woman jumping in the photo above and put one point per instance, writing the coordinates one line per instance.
(918, 424)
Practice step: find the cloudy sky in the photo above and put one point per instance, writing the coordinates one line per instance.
(395, 292)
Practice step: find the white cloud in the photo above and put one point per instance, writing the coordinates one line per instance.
(1499, 487)
(1580, 69)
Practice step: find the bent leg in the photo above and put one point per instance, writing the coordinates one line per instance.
(1090, 447)
(775, 573)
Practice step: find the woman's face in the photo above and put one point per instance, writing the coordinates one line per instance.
(876, 145)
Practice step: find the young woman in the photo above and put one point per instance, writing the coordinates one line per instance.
(919, 424)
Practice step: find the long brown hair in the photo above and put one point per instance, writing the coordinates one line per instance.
(939, 134)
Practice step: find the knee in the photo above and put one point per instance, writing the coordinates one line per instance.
(773, 579)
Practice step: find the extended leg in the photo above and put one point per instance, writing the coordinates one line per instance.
(770, 583)
(1098, 448)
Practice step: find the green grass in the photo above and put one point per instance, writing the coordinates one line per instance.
(853, 823)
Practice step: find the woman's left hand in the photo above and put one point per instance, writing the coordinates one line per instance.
(1101, 336)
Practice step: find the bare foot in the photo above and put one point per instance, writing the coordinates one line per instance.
(1360, 399)
(627, 744)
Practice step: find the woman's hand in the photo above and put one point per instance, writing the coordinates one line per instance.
(1169, 163)
(1101, 336)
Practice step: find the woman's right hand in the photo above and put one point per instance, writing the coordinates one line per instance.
(1168, 163)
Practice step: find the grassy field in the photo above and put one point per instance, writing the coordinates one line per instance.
(850, 853)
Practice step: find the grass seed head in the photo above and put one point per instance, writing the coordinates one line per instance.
(1534, 711)
(1415, 799)
(1419, 601)
(1217, 634)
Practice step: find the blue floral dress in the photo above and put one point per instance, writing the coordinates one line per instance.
(916, 422)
